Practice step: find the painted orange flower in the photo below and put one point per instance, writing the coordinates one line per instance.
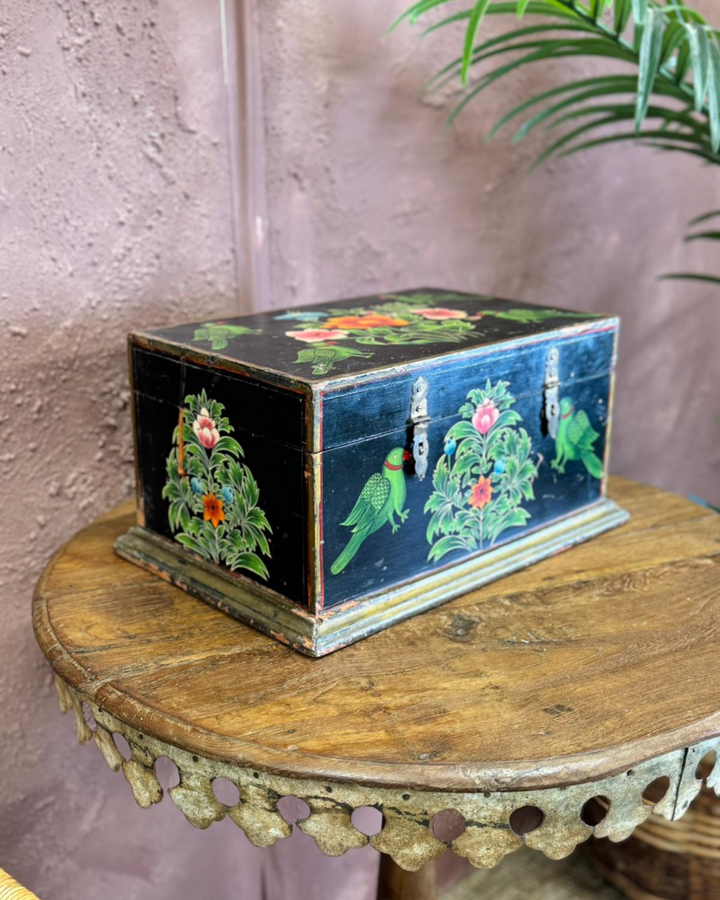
(213, 509)
(481, 493)
(369, 320)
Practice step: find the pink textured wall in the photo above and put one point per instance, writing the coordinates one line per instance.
(116, 212)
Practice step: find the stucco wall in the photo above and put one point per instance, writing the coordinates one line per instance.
(115, 212)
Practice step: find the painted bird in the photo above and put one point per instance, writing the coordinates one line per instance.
(575, 440)
(382, 497)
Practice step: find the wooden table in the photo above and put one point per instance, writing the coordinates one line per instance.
(592, 674)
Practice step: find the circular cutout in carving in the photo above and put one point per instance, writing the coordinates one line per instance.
(526, 820)
(368, 820)
(293, 809)
(225, 791)
(166, 772)
(89, 717)
(706, 765)
(656, 790)
(122, 745)
(595, 810)
(447, 825)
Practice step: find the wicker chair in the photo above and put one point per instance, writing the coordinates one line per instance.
(11, 890)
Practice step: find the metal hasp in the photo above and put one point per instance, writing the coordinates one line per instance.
(420, 420)
(550, 391)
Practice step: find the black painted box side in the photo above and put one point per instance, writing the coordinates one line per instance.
(268, 425)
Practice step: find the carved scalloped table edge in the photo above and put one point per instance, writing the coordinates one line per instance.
(406, 835)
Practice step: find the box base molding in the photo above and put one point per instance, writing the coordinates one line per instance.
(347, 623)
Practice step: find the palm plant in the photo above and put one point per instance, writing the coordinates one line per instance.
(672, 101)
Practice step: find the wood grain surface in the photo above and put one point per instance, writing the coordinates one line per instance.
(572, 670)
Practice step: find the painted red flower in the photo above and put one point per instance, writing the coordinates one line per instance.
(213, 512)
(438, 313)
(368, 320)
(486, 415)
(313, 335)
(481, 493)
(204, 428)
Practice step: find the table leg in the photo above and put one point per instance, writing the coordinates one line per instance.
(395, 883)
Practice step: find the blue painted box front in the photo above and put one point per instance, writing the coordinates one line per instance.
(285, 456)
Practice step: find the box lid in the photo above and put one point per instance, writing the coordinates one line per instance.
(336, 352)
(317, 344)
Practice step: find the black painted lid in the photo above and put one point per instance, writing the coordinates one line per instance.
(327, 341)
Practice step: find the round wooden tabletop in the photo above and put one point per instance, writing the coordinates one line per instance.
(570, 671)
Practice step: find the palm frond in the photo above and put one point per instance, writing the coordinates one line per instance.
(690, 276)
(671, 102)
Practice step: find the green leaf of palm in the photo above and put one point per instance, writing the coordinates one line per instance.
(705, 217)
(639, 9)
(700, 54)
(690, 276)
(714, 91)
(650, 51)
(476, 17)
(676, 53)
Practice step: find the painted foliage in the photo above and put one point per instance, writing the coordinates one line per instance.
(400, 320)
(213, 497)
(335, 333)
(483, 477)
(381, 499)
(219, 334)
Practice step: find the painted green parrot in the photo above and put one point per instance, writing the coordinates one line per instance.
(382, 497)
(575, 439)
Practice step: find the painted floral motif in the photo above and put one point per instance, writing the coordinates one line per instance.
(218, 333)
(483, 477)
(401, 319)
(481, 493)
(314, 335)
(204, 428)
(418, 318)
(438, 313)
(323, 357)
(485, 416)
(213, 497)
(368, 320)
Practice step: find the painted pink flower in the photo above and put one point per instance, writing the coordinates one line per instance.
(317, 334)
(204, 428)
(437, 312)
(486, 415)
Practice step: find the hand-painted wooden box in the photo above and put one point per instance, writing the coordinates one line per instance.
(322, 473)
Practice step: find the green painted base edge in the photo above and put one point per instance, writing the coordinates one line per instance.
(317, 636)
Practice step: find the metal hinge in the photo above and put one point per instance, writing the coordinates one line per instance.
(420, 421)
(550, 391)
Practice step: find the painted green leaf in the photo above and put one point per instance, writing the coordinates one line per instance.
(213, 507)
